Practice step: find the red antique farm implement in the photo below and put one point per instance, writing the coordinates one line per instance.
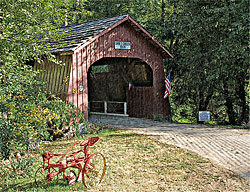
(79, 166)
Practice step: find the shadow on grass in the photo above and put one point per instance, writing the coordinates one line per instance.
(19, 187)
(60, 144)
(31, 186)
(124, 135)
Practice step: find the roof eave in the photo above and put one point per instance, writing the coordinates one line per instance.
(127, 18)
(76, 49)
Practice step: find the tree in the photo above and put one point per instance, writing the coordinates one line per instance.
(151, 14)
(209, 61)
(25, 111)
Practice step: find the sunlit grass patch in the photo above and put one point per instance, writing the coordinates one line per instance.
(139, 163)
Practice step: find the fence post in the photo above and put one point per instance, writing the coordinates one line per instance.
(105, 107)
(125, 108)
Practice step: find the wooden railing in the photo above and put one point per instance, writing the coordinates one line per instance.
(108, 108)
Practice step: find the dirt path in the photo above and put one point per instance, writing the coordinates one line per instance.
(225, 147)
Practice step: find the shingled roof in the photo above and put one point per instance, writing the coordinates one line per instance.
(79, 35)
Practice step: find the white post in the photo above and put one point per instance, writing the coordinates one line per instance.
(125, 108)
(105, 107)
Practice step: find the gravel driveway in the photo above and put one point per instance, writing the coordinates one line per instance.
(226, 147)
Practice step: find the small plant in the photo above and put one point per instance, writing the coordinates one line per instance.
(63, 117)
(16, 167)
(96, 128)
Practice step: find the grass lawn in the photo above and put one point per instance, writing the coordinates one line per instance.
(138, 163)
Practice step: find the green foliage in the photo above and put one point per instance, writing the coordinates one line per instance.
(62, 115)
(20, 95)
(95, 128)
(211, 57)
(26, 114)
(16, 169)
(20, 20)
(100, 69)
(155, 16)
(183, 114)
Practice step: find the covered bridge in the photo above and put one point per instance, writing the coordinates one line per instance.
(112, 66)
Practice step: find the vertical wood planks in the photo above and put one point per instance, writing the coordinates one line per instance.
(70, 85)
(66, 76)
(61, 73)
(58, 72)
(108, 44)
(119, 38)
(79, 82)
(101, 47)
(84, 106)
(55, 75)
(105, 45)
(141, 100)
(88, 57)
(77, 94)
(112, 43)
(75, 79)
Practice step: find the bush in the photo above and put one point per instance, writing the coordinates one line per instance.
(62, 117)
(26, 115)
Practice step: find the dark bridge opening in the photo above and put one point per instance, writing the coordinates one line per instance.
(110, 80)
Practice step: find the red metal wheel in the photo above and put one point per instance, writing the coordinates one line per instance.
(71, 176)
(42, 178)
(94, 170)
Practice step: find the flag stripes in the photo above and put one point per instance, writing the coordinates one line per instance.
(167, 86)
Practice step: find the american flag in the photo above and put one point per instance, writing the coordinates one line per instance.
(168, 86)
(129, 86)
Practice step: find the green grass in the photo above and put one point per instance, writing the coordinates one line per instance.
(227, 126)
(138, 163)
(213, 124)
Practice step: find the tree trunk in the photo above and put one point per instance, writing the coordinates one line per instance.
(203, 102)
(163, 13)
(229, 104)
(200, 107)
(173, 28)
(243, 112)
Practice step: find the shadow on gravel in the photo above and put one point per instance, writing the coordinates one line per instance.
(124, 135)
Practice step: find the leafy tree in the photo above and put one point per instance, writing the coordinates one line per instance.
(211, 57)
(151, 14)
(25, 112)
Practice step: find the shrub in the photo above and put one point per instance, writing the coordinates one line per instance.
(62, 117)
(26, 114)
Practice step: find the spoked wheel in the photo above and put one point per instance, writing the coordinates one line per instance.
(71, 176)
(94, 170)
(42, 178)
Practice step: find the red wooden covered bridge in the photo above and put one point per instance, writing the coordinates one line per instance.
(112, 66)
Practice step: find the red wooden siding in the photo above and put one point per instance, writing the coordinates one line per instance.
(140, 102)
(103, 46)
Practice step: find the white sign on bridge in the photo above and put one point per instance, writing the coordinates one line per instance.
(204, 115)
(122, 45)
